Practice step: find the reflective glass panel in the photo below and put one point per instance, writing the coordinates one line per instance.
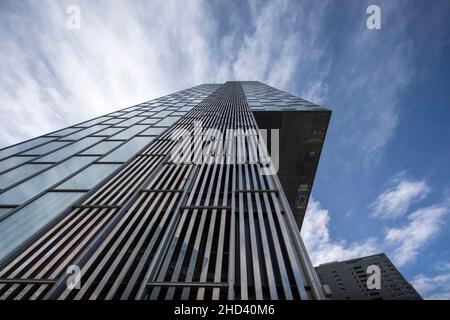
(102, 147)
(22, 224)
(113, 121)
(46, 148)
(168, 121)
(154, 131)
(131, 121)
(127, 150)
(85, 132)
(131, 114)
(23, 146)
(150, 121)
(64, 132)
(12, 162)
(130, 132)
(15, 175)
(4, 211)
(162, 114)
(32, 187)
(108, 132)
(92, 122)
(69, 150)
(90, 176)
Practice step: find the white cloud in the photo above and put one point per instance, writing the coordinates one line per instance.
(129, 52)
(316, 91)
(402, 244)
(436, 287)
(443, 266)
(316, 235)
(123, 54)
(396, 200)
(367, 91)
(423, 225)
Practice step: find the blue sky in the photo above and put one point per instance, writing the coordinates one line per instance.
(383, 182)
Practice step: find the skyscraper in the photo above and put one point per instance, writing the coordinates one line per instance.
(347, 280)
(175, 198)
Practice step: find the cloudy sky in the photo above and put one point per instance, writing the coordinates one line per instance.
(383, 182)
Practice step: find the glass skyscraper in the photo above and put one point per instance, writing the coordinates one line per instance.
(174, 198)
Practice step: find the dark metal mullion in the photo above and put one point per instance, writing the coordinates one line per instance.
(97, 253)
(159, 265)
(144, 236)
(187, 238)
(265, 244)
(29, 249)
(57, 183)
(196, 249)
(297, 275)
(57, 272)
(161, 251)
(138, 218)
(109, 224)
(276, 243)
(147, 252)
(131, 238)
(206, 258)
(222, 226)
(254, 243)
(242, 237)
(166, 258)
(200, 284)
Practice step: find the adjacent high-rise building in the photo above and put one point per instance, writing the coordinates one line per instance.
(347, 280)
(174, 198)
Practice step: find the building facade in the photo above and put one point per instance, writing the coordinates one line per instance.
(347, 280)
(196, 195)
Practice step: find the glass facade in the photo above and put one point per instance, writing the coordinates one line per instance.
(104, 195)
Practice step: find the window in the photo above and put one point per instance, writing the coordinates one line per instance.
(113, 121)
(108, 132)
(32, 187)
(12, 162)
(23, 146)
(148, 114)
(69, 150)
(131, 121)
(162, 114)
(130, 132)
(20, 173)
(116, 114)
(4, 211)
(153, 131)
(102, 147)
(150, 121)
(168, 121)
(22, 224)
(85, 132)
(46, 148)
(92, 122)
(127, 150)
(89, 177)
(131, 114)
(64, 132)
